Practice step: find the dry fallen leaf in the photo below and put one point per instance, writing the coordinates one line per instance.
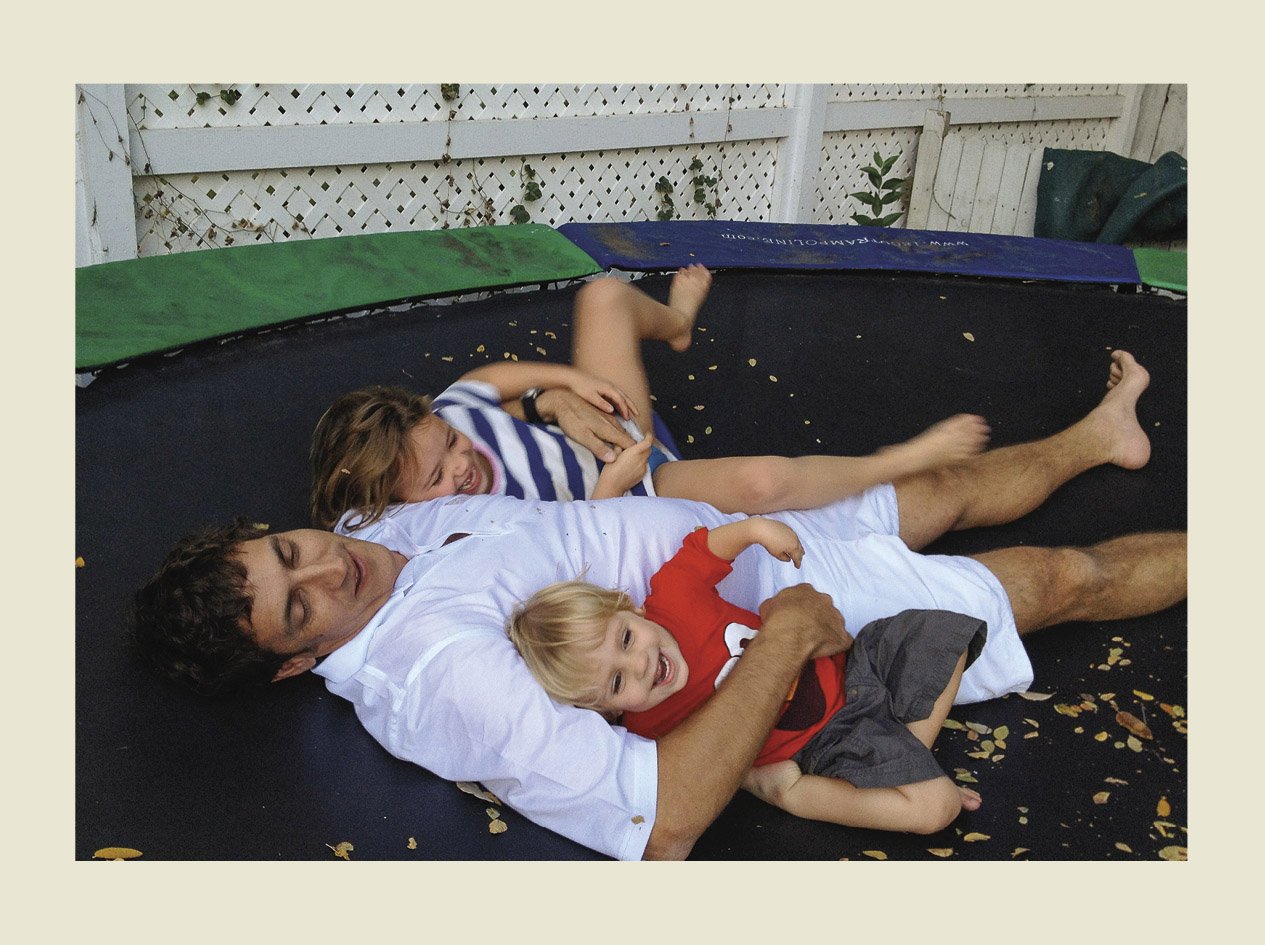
(877, 854)
(751, 361)
(498, 826)
(1124, 846)
(1035, 696)
(968, 336)
(1019, 850)
(471, 788)
(1101, 797)
(972, 837)
(79, 562)
(951, 723)
(342, 850)
(1144, 696)
(1173, 853)
(1163, 808)
(1134, 724)
(940, 851)
(412, 843)
(117, 853)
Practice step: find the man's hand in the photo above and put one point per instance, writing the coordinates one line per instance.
(811, 616)
(592, 428)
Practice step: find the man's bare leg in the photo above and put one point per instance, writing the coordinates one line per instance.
(1113, 580)
(1004, 484)
(612, 318)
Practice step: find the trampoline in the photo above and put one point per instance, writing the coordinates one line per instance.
(784, 361)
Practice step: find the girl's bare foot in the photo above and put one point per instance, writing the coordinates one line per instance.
(949, 441)
(970, 799)
(1117, 416)
(689, 288)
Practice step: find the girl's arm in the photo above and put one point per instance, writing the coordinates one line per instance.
(731, 539)
(514, 378)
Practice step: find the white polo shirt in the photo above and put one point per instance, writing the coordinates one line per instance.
(436, 681)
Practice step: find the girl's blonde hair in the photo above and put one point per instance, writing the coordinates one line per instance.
(360, 453)
(557, 629)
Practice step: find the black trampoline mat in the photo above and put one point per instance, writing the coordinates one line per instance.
(782, 363)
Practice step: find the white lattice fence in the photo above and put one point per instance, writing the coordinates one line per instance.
(310, 161)
(155, 107)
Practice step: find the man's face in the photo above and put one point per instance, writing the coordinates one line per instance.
(441, 462)
(313, 591)
(637, 666)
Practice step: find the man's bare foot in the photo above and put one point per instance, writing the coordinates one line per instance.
(1116, 417)
(970, 799)
(689, 288)
(949, 441)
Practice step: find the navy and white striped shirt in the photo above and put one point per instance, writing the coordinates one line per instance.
(529, 460)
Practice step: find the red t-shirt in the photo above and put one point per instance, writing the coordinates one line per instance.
(712, 634)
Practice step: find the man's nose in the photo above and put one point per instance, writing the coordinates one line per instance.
(326, 571)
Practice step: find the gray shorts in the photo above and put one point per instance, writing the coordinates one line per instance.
(896, 670)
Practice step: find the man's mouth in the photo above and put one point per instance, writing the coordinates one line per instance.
(358, 574)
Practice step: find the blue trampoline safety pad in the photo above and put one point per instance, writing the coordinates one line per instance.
(718, 245)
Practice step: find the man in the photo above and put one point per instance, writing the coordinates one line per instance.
(406, 620)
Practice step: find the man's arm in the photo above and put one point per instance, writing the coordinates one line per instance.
(703, 760)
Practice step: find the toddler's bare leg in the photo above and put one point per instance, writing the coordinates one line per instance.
(923, 807)
(1003, 484)
(612, 318)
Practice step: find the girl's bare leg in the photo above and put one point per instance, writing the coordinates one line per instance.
(760, 484)
(612, 318)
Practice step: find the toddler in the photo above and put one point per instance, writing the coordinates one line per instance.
(648, 668)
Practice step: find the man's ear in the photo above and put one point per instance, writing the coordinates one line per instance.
(295, 666)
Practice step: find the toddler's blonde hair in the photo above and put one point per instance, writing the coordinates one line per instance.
(557, 629)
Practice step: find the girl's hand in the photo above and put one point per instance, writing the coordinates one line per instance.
(625, 472)
(778, 539)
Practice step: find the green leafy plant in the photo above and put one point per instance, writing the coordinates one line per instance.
(885, 190)
(701, 183)
(531, 191)
(450, 91)
(667, 209)
(227, 96)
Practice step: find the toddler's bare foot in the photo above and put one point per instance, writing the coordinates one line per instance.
(685, 297)
(1116, 418)
(949, 441)
(970, 799)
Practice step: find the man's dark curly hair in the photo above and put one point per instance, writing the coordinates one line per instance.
(188, 621)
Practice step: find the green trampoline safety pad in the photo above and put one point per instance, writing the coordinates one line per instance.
(161, 303)
(1162, 268)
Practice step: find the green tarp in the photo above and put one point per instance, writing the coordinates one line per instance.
(159, 303)
(1097, 196)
